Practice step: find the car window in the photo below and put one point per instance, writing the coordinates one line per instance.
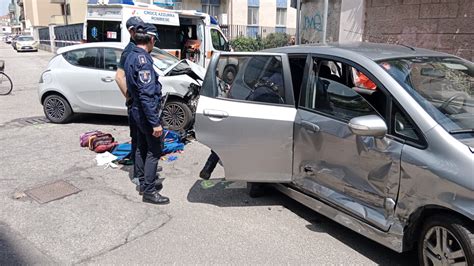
(251, 78)
(339, 90)
(25, 38)
(402, 126)
(162, 59)
(111, 58)
(218, 41)
(83, 57)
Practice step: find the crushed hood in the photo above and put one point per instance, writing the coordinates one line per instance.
(186, 67)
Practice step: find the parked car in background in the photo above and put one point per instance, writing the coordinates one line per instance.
(81, 79)
(26, 43)
(9, 39)
(377, 137)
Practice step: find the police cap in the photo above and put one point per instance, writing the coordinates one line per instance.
(134, 23)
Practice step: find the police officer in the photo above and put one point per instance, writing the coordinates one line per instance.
(132, 25)
(145, 93)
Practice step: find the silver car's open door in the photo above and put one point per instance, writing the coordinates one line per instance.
(246, 113)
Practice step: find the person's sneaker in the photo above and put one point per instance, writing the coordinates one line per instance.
(155, 198)
(204, 174)
(158, 187)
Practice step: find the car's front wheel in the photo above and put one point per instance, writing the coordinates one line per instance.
(446, 240)
(177, 115)
(57, 109)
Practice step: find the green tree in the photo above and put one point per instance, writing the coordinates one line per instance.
(274, 40)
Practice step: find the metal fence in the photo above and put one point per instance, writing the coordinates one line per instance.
(234, 31)
(44, 36)
(68, 34)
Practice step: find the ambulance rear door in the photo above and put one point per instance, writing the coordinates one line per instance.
(104, 24)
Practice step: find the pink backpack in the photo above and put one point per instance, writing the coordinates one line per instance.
(84, 138)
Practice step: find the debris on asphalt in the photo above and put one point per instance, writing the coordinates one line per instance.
(105, 158)
(19, 195)
(207, 184)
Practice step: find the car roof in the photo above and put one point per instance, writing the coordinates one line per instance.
(373, 51)
(91, 45)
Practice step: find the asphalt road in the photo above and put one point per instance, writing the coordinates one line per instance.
(107, 222)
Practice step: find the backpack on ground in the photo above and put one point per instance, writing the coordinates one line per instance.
(84, 138)
(101, 142)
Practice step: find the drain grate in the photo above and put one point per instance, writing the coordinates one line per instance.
(26, 121)
(54, 191)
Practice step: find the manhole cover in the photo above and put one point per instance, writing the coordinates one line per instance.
(53, 191)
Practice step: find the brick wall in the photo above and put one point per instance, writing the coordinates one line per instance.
(443, 25)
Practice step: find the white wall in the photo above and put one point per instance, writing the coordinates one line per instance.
(352, 20)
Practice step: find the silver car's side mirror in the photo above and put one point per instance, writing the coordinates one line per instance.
(368, 125)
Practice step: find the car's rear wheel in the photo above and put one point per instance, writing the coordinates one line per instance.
(177, 115)
(57, 109)
(446, 240)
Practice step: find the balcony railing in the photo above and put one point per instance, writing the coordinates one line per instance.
(234, 31)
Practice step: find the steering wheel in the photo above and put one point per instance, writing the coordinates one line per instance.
(445, 104)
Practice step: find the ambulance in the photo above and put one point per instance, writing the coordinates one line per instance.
(187, 34)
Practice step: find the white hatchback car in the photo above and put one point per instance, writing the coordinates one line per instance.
(81, 79)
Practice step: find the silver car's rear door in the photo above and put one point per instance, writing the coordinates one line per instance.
(246, 113)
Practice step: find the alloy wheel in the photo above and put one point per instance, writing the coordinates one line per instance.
(55, 108)
(441, 247)
(174, 115)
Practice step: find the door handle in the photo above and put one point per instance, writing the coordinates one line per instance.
(215, 113)
(107, 79)
(310, 126)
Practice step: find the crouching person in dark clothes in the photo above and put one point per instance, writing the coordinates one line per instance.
(210, 165)
(145, 93)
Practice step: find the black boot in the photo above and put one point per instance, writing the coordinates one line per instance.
(158, 187)
(209, 167)
(155, 198)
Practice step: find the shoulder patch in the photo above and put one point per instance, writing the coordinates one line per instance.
(145, 76)
(142, 59)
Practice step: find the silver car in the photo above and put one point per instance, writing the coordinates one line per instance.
(379, 138)
(81, 79)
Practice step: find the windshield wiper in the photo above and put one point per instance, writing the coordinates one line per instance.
(461, 131)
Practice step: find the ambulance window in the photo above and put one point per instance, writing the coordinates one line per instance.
(103, 31)
(218, 41)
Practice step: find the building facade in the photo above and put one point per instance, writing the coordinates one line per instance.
(242, 17)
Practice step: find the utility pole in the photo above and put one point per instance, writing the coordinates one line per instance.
(298, 22)
(65, 9)
(325, 19)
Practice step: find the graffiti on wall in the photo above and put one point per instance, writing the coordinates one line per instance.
(313, 22)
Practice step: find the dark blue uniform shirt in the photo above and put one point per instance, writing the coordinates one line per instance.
(143, 87)
(126, 51)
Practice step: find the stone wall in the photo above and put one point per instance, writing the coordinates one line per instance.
(443, 25)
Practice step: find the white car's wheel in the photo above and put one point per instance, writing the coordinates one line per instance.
(177, 115)
(57, 109)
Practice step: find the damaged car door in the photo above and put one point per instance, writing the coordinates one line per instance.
(246, 113)
(342, 153)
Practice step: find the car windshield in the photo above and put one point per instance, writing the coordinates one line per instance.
(443, 86)
(162, 59)
(25, 38)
